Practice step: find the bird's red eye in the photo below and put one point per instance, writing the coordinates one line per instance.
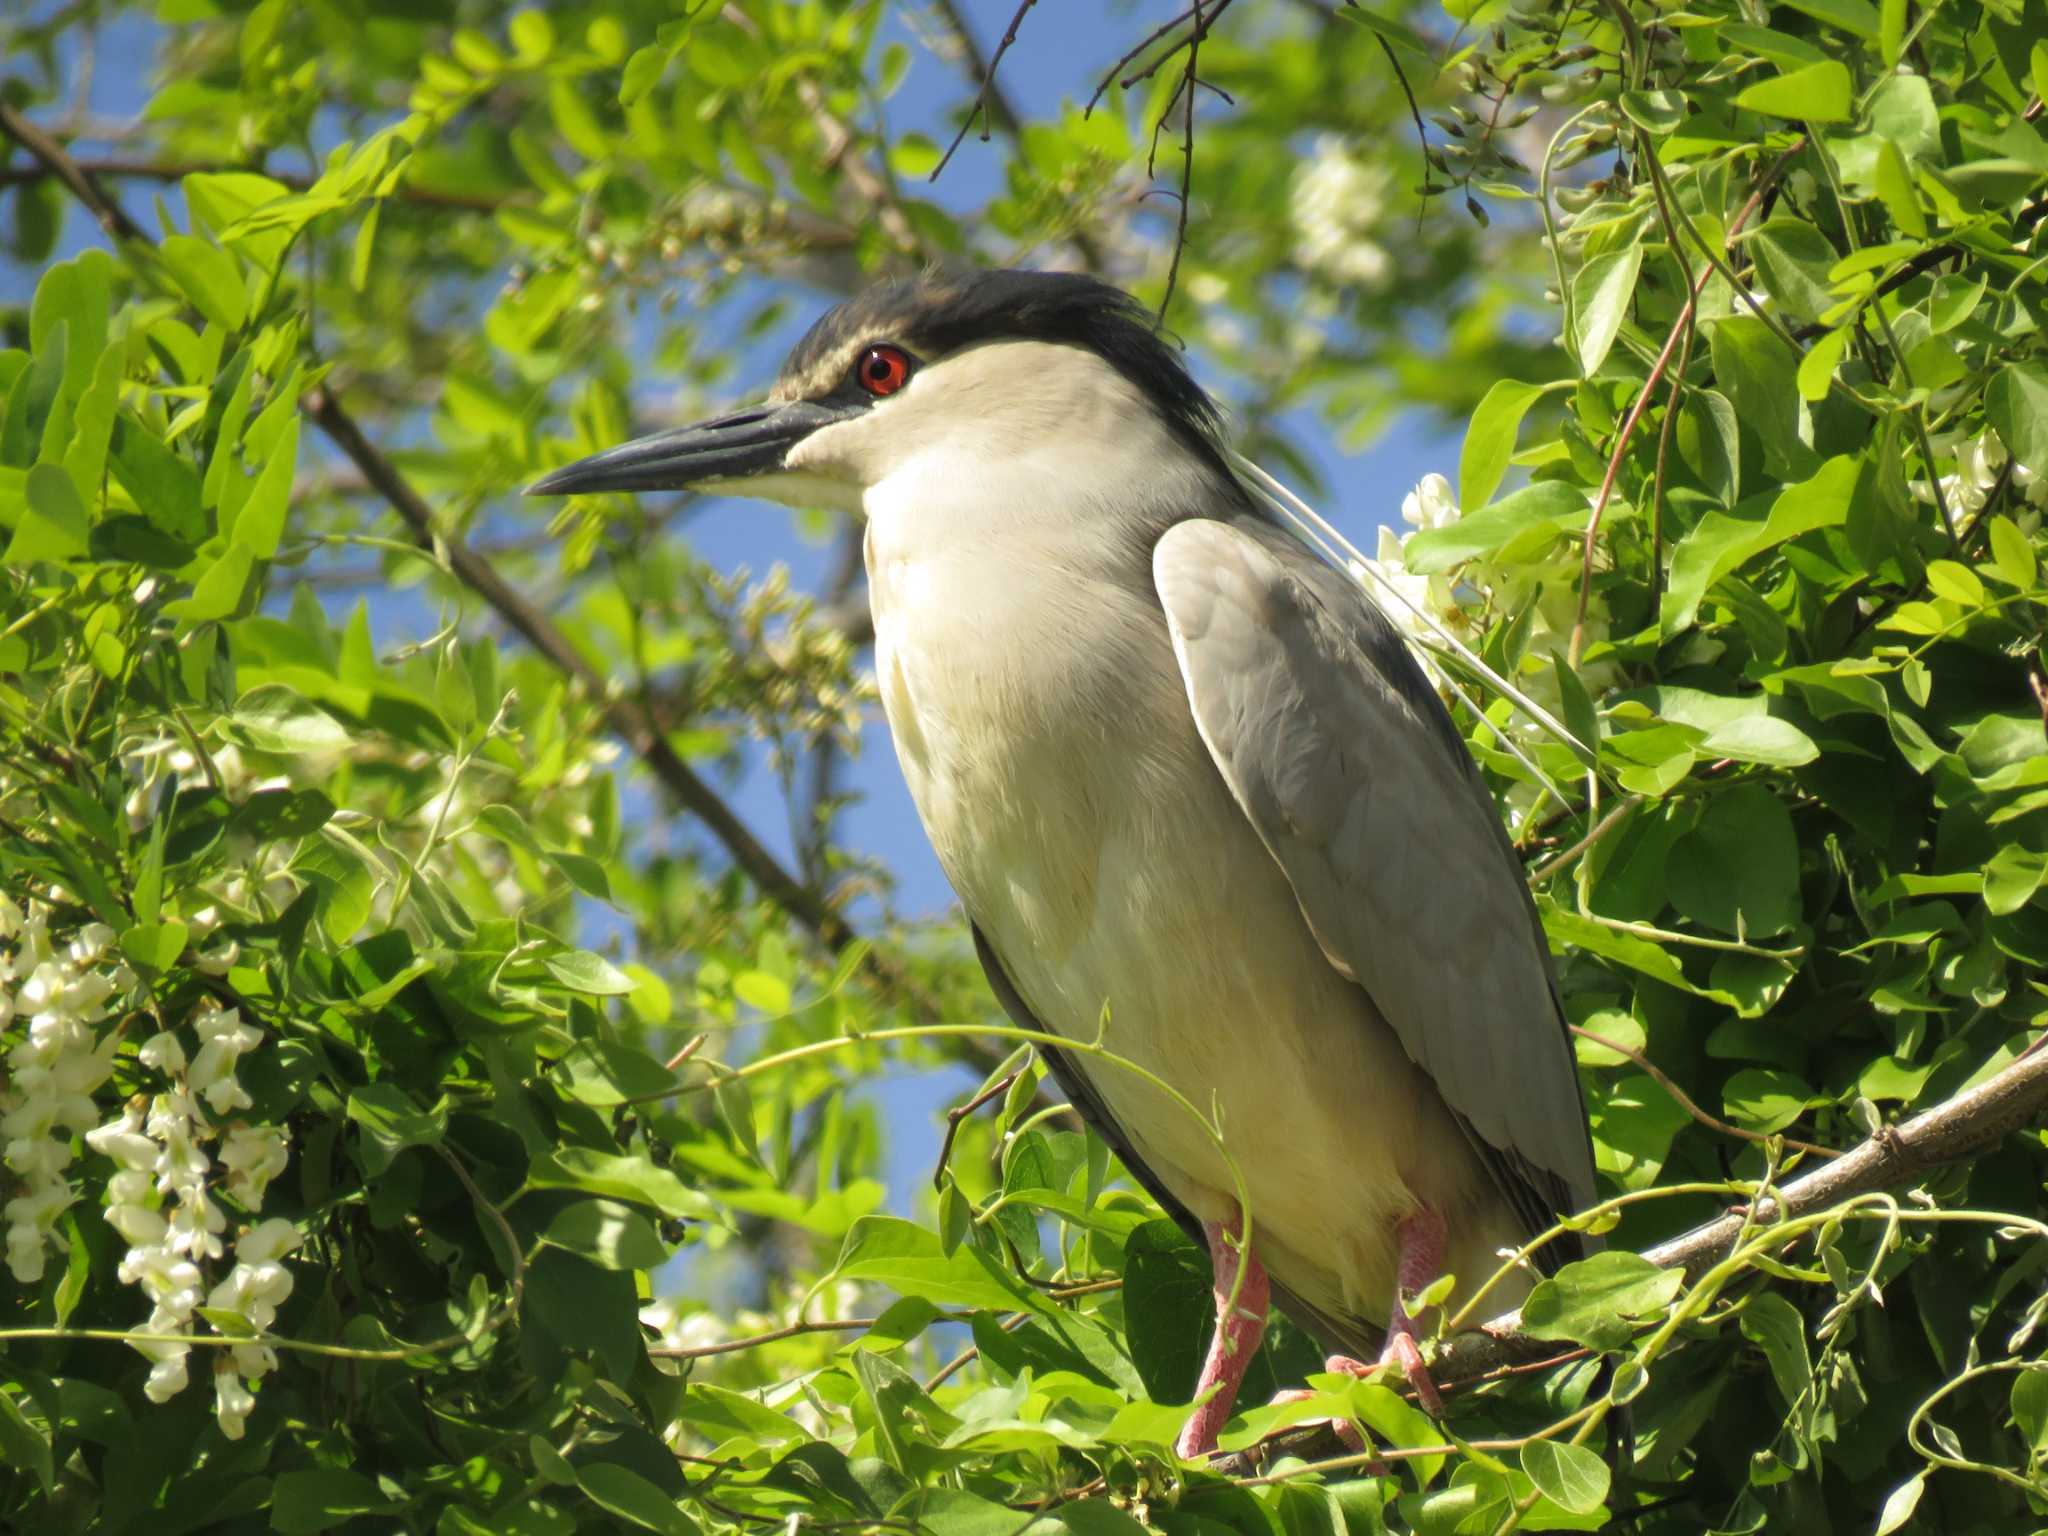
(883, 370)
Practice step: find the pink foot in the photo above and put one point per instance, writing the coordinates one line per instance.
(1238, 1333)
(1421, 1239)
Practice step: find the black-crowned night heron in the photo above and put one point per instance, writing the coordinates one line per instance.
(1179, 768)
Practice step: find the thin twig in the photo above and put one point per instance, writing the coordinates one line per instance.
(752, 1340)
(989, 102)
(956, 1115)
(1600, 829)
(1679, 326)
(127, 168)
(1187, 154)
(53, 158)
(1685, 1102)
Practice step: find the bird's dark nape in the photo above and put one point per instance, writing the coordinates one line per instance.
(938, 312)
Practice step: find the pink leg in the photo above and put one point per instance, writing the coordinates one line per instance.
(1421, 1237)
(1237, 1336)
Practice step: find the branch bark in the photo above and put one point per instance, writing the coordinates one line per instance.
(1954, 1131)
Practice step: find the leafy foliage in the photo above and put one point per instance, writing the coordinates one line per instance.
(406, 1041)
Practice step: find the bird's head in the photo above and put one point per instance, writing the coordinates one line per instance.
(943, 381)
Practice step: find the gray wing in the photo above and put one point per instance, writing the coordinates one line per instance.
(1338, 750)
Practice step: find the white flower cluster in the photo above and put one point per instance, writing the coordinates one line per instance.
(1335, 205)
(161, 1202)
(1980, 461)
(54, 995)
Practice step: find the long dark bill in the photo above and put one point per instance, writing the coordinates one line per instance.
(751, 442)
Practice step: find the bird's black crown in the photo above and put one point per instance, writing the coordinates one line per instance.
(939, 312)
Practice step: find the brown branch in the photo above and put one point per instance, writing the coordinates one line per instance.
(1954, 1131)
(1200, 29)
(1681, 326)
(1187, 152)
(48, 153)
(989, 100)
(133, 169)
(959, 1113)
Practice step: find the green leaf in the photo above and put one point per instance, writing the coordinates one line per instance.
(1765, 1099)
(273, 718)
(1601, 293)
(1895, 189)
(608, 1234)
(914, 155)
(1760, 376)
(209, 277)
(154, 946)
(1819, 93)
(1710, 440)
(2011, 554)
(2011, 877)
(2016, 405)
(365, 248)
(260, 523)
(391, 1122)
(736, 1110)
(1760, 739)
(1721, 542)
(1600, 1302)
(1900, 1503)
(1737, 870)
(763, 992)
(1658, 111)
(164, 484)
(604, 1073)
(1793, 259)
(33, 398)
(1817, 369)
(623, 1178)
(320, 1498)
(907, 1258)
(1774, 1324)
(54, 524)
(224, 589)
(581, 971)
(23, 1445)
(2030, 1407)
(623, 1492)
(1856, 17)
(1398, 33)
(1482, 533)
(1957, 583)
(1570, 1476)
(1490, 439)
(724, 1413)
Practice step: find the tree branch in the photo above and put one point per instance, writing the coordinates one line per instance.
(133, 169)
(47, 152)
(1961, 1128)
